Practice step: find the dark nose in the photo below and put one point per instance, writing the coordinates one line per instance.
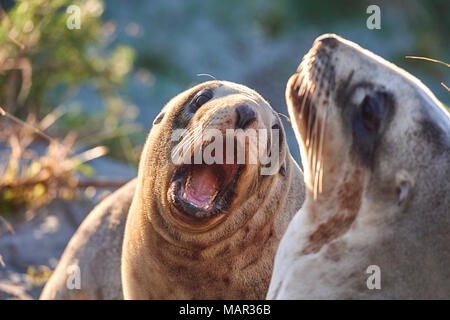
(328, 40)
(244, 117)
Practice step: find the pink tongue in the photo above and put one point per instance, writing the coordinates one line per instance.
(203, 185)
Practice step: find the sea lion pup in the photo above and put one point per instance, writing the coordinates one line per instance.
(209, 231)
(94, 252)
(374, 143)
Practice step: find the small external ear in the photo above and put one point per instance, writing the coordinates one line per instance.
(159, 118)
(404, 184)
(283, 169)
(403, 192)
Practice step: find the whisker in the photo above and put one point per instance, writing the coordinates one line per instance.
(206, 75)
(318, 145)
(189, 139)
(310, 122)
(322, 138)
(284, 116)
(305, 95)
(304, 83)
(316, 155)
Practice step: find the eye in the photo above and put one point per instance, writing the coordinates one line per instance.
(200, 99)
(368, 120)
(276, 126)
(372, 112)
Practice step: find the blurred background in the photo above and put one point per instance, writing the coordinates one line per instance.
(103, 84)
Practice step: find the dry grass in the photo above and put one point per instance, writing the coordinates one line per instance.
(38, 276)
(29, 179)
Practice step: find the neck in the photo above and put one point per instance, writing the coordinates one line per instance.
(221, 268)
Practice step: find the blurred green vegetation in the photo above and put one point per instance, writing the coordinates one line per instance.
(43, 63)
(68, 82)
(427, 21)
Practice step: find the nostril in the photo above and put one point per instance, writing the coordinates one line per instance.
(328, 40)
(244, 117)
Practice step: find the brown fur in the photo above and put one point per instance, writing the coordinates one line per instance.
(349, 200)
(181, 266)
(167, 255)
(96, 249)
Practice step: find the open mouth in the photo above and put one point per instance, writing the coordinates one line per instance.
(204, 189)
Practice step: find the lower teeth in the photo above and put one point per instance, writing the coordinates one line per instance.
(207, 206)
(213, 197)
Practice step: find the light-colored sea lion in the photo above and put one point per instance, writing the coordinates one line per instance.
(246, 234)
(199, 231)
(374, 143)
